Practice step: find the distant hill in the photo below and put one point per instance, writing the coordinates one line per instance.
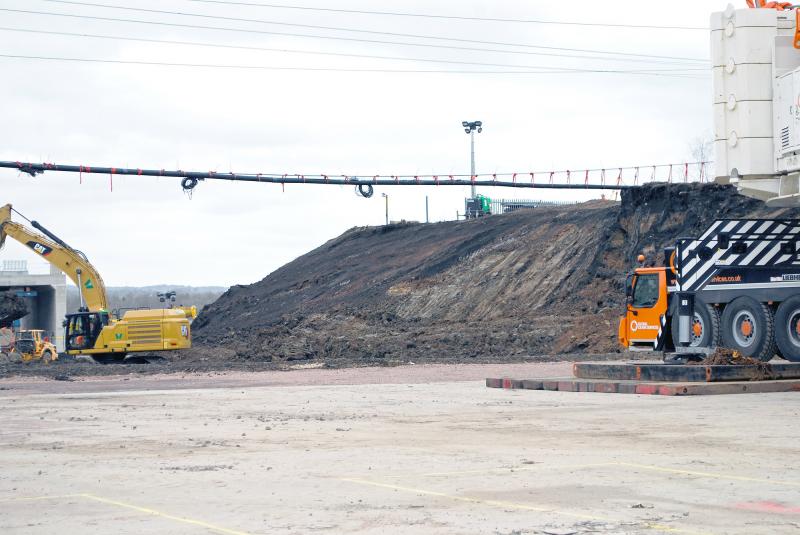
(145, 296)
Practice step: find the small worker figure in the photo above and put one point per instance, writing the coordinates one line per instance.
(94, 325)
(77, 332)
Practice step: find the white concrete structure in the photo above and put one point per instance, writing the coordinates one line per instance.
(756, 71)
(45, 294)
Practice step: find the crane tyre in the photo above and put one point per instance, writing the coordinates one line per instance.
(748, 327)
(704, 325)
(787, 323)
(47, 356)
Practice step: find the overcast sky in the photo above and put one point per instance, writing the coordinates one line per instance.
(147, 231)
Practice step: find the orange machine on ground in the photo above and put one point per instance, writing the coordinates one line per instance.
(736, 286)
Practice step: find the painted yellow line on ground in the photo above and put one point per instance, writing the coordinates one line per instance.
(168, 516)
(537, 467)
(513, 505)
(39, 498)
(507, 470)
(140, 509)
(712, 475)
(467, 499)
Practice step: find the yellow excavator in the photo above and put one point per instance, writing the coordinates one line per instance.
(93, 330)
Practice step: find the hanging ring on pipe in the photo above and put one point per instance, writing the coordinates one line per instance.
(189, 183)
(365, 190)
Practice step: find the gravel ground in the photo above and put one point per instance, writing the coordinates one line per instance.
(300, 376)
(202, 361)
(429, 450)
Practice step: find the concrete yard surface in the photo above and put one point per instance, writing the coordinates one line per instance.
(417, 454)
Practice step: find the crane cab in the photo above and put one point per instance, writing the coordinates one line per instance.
(645, 307)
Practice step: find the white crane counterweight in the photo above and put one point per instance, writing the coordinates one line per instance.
(756, 79)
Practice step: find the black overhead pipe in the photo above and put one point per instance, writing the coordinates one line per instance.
(363, 184)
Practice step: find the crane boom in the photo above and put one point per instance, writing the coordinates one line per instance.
(72, 262)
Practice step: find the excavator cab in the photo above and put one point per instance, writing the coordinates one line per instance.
(83, 328)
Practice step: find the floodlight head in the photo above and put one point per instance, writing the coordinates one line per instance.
(478, 123)
(467, 130)
(464, 124)
(480, 129)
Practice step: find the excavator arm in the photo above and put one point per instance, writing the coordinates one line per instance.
(72, 262)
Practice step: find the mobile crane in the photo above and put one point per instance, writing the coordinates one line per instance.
(93, 330)
(738, 284)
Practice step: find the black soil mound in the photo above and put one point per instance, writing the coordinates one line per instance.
(541, 281)
(11, 308)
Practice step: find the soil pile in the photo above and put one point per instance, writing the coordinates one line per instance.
(758, 369)
(533, 282)
(11, 308)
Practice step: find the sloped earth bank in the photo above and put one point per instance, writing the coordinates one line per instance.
(11, 308)
(534, 282)
(541, 284)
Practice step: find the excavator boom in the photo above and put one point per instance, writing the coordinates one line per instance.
(5, 215)
(72, 262)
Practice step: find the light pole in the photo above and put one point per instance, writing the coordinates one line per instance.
(470, 128)
(387, 207)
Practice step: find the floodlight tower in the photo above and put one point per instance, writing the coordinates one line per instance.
(385, 196)
(470, 128)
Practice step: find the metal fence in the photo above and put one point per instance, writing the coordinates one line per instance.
(28, 267)
(16, 266)
(505, 206)
(481, 206)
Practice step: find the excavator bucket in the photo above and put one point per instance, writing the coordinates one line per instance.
(5, 215)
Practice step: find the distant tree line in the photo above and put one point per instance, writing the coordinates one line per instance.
(147, 296)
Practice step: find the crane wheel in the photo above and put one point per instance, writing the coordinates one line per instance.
(787, 329)
(749, 328)
(704, 327)
(47, 356)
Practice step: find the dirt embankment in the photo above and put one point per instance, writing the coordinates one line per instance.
(538, 285)
(448, 291)
(11, 308)
(533, 282)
